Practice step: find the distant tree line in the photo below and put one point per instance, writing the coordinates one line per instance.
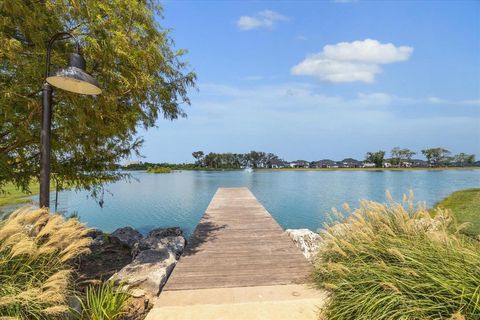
(436, 157)
(151, 166)
(254, 159)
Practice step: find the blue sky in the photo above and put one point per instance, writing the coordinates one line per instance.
(322, 79)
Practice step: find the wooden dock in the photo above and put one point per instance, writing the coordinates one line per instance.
(237, 243)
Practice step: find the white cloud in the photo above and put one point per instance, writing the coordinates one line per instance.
(368, 51)
(351, 61)
(299, 120)
(437, 100)
(263, 19)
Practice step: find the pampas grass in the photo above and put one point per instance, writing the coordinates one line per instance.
(394, 261)
(35, 250)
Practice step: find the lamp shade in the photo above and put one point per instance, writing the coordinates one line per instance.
(74, 78)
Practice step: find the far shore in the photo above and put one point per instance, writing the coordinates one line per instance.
(321, 169)
(366, 169)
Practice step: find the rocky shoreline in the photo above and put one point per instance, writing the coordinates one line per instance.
(142, 264)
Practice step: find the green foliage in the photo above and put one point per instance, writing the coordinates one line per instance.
(399, 156)
(376, 157)
(463, 159)
(229, 160)
(103, 302)
(465, 206)
(148, 165)
(436, 156)
(159, 170)
(134, 60)
(36, 249)
(389, 262)
(199, 157)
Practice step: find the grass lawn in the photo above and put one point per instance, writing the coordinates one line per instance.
(14, 196)
(465, 205)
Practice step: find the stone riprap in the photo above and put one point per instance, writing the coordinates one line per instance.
(307, 241)
(154, 258)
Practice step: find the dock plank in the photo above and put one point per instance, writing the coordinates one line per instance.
(237, 243)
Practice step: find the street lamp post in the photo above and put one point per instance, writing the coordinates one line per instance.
(73, 79)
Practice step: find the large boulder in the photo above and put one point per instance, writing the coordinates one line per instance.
(307, 241)
(165, 232)
(170, 238)
(128, 235)
(147, 274)
(155, 257)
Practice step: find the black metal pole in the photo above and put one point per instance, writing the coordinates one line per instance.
(45, 146)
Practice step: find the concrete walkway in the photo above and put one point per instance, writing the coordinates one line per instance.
(278, 302)
(239, 264)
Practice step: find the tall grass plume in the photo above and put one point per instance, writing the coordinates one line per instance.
(396, 261)
(36, 248)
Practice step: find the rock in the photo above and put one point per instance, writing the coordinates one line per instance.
(128, 235)
(137, 293)
(176, 245)
(165, 232)
(148, 272)
(94, 233)
(108, 255)
(156, 241)
(136, 309)
(306, 240)
(171, 238)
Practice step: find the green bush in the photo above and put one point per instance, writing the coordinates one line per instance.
(159, 170)
(386, 261)
(35, 250)
(103, 302)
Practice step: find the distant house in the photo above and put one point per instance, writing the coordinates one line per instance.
(349, 163)
(276, 164)
(299, 164)
(366, 164)
(387, 164)
(418, 163)
(129, 163)
(325, 163)
(407, 164)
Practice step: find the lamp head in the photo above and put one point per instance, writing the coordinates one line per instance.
(74, 78)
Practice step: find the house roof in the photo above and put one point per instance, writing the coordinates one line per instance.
(324, 161)
(300, 161)
(277, 162)
(351, 160)
(418, 161)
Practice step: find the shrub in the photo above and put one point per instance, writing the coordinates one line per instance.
(103, 302)
(35, 250)
(386, 261)
(159, 170)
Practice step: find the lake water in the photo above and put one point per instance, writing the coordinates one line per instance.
(296, 199)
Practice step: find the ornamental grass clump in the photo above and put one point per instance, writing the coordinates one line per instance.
(36, 249)
(394, 261)
(104, 302)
